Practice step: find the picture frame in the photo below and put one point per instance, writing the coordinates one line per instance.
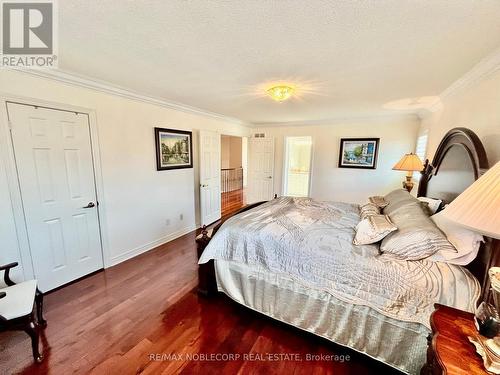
(361, 153)
(174, 149)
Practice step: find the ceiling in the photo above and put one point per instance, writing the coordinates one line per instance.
(347, 58)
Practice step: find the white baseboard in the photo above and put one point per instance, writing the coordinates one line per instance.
(149, 246)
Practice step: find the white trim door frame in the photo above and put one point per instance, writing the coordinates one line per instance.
(285, 164)
(8, 157)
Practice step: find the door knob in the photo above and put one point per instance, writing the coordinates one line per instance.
(90, 205)
(269, 177)
(203, 185)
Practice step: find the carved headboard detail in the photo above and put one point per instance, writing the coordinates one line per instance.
(460, 159)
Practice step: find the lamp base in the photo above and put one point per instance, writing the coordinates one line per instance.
(408, 184)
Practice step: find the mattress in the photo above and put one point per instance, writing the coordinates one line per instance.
(312, 242)
(397, 343)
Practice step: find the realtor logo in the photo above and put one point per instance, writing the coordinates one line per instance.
(28, 34)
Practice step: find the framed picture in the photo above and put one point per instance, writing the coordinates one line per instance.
(174, 149)
(358, 153)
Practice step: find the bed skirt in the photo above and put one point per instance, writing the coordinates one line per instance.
(399, 344)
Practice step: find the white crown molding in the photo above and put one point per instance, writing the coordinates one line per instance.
(339, 120)
(483, 69)
(108, 88)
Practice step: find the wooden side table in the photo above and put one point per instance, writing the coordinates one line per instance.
(450, 351)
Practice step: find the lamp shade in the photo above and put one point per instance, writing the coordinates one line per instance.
(478, 207)
(409, 162)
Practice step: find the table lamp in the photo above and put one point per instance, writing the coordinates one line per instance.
(410, 163)
(478, 209)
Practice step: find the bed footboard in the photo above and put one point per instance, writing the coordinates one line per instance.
(207, 284)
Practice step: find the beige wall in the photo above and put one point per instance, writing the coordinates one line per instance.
(224, 151)
(138, 199)
(478, 108)
(235, 154)
(231, 152)
(397, 137)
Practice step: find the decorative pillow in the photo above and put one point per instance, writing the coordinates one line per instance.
(433, 204)
(373, 229)
(368, 209)
(417, 236)
(465, 242)
(398, 199)
(378, 201)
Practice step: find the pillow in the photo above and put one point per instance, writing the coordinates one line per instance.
(373, 229)
(417, 236)
(378, 201)
(426, 208)
(433, 204)
(368, 209)
(396, 200)
(465, 241)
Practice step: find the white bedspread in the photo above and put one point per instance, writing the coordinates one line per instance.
(311, 242)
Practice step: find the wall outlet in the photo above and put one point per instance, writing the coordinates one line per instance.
(167, 222)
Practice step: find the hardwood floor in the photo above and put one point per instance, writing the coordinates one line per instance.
(232, 201)
(122, 320)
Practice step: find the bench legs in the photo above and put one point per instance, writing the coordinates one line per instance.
(39, 308)
(32, 331)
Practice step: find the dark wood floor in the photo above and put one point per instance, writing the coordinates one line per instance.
(116, 321)
(232, 201)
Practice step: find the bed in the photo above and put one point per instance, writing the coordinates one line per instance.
(293, 259)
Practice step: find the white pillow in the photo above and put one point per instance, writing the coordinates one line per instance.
(464, 240)
(433, 203)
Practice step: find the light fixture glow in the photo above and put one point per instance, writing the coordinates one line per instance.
(280, 93)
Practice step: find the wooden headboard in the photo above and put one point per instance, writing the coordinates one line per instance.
(460, 159)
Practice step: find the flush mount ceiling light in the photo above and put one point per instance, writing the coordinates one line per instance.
(280, 93)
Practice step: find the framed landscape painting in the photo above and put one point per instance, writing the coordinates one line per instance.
(358, 153)
(174, 149)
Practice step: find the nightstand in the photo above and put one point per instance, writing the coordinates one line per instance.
(450, 351)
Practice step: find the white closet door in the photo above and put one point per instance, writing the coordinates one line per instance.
(56, 175)
(210, 191)
(261, 169)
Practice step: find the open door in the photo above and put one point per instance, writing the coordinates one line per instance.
(210, 193)
(261, 169)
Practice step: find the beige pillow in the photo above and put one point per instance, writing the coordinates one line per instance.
(417, 236)
(368, 209)
(378, 200)
(373, 229)
(398, 199)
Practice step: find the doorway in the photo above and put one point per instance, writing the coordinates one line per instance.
(298, 160)
(234, 151)
(55, 171)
